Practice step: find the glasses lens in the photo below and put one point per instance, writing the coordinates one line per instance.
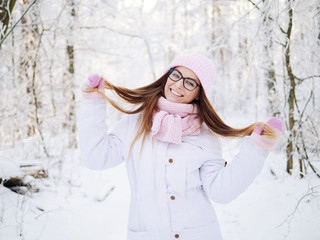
(175, 76)
(189, 84)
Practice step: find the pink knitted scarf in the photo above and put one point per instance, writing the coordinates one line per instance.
(174, 120)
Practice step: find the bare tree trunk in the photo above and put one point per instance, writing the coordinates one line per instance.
(292, 97)
(69, 77)
(29, 33)
(270, 75)
(13, 62)
(318, 17)
(33, 35)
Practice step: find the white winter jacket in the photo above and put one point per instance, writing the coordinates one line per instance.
(171, 184)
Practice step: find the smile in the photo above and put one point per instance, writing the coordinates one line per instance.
(175, 93)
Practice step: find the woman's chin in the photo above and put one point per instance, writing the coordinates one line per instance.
(174, 99)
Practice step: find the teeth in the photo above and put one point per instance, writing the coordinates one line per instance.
(176, 93)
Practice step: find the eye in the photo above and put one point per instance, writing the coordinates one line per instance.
(175, 75)
(191, 83)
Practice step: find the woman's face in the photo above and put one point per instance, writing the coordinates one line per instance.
(176, 92)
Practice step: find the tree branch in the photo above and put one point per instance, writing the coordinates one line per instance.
(302, 79)
(270, 18)
(290, 216)
(4, 38)
(306, 156)
(113, 30)
(36, 103)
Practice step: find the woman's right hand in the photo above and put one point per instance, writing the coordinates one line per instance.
(94, 82)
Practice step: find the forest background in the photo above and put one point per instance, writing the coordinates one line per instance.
(267, 60)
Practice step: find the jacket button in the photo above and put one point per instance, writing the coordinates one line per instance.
(170, 160)
(176, 236)
(173, 198)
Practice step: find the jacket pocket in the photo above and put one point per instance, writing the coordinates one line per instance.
(131, 235)
(206, 232)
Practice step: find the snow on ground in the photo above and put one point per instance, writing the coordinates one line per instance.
(79, 208)
(266, 211)
(67, 213)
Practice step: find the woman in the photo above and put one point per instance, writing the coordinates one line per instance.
(171, 144)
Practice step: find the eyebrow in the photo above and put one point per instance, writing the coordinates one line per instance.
(186, 77)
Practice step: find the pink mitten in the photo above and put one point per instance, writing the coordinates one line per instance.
(94, 81)
(264, 142)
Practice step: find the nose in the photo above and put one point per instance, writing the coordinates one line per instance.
(179, 84)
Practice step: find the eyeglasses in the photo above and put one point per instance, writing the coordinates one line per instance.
(188, 83)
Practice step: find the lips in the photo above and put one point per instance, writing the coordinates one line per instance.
(175, 93)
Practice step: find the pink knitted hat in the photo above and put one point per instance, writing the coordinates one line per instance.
(199, 64)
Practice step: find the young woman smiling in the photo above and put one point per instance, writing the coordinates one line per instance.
(170, 142)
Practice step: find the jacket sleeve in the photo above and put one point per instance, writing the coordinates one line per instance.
(100, 149)
(224, 184)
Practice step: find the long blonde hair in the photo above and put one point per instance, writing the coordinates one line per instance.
(145, 101)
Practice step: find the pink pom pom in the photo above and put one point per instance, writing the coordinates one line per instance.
(276, 123)
(94, 80)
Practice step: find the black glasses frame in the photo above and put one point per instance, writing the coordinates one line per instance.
(184, 79)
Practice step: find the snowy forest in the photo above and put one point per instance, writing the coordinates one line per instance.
(267, 59)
